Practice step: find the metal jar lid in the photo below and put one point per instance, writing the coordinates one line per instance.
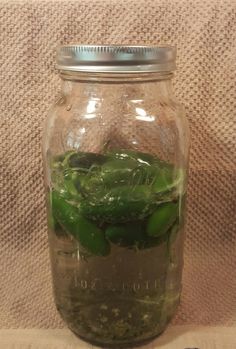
(116, 58)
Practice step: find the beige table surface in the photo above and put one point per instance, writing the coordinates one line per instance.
(176, 337)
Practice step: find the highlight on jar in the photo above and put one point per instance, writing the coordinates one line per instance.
(122, 197)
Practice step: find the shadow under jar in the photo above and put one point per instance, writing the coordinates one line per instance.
(115, 152)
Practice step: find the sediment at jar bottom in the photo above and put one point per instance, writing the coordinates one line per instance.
(121, 197)
(122, 332)
(117, 299)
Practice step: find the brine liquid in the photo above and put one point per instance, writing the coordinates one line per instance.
(126, 297)
(116, 244)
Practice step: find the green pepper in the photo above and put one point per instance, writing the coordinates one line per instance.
(168, 179)
(129, 235)
(162, 219)
(163, 182)
(66, 184)
(58, 160)
(89, 236)
(70, 179)
(154, 171)
(116, 171)
(53, 224)
(142, 158)
(58, 230)
(131, 154)
(89, 184)
(172, 235)
(149, 174)
(116, 178)
(119, 164)
(150, 242)
(120, 204)
(127, 171)
(83, 160)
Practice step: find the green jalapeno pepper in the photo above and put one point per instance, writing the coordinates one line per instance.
(129, 235)
(117, 171)
(163, 181)
(167, 180)
(162, 219)
(120, 204)
(150, 242)
(118, 188)
(89, 236)
(81, 160)
(133, 155)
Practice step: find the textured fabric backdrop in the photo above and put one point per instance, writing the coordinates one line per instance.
(205, 33)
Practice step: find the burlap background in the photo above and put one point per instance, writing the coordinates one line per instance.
(205, 32)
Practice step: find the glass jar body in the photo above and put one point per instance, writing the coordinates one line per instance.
(116, 153)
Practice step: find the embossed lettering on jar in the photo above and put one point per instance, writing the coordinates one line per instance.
(115, 152)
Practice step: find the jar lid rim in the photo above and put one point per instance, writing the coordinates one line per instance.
(116, 58)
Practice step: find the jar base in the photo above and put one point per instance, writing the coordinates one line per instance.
(115, 335)
(118, 345)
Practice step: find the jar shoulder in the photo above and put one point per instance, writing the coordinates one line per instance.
(90, 108)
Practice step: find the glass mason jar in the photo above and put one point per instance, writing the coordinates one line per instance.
(115, 153)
